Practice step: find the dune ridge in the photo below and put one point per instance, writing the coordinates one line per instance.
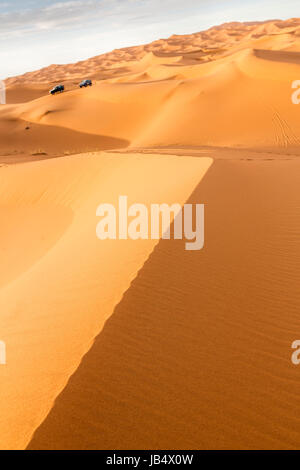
(174, 93)
(197, 354)
(205, 45)
(56, 297)
(140, 344)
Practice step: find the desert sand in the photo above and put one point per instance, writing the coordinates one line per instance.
(140, 344)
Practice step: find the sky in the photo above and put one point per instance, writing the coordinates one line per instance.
(38, 33)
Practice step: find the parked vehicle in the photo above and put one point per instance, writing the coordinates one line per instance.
(57, 89)
(85, 83)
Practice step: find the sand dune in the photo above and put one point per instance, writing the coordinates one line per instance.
(214, 43)
(140, 344)
(197, 353)
(237, 96)
(59, 283)
(292, 57)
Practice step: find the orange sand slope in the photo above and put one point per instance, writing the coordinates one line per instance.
(197, 48)
(58, 282)
(197, 355)
(138, 344)
(170, 93)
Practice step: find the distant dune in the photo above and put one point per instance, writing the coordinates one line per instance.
(228, 86)
(201, 47)
(141, 344)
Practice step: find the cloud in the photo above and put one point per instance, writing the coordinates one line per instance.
(50, 17)
(35, 33)
(77, 13)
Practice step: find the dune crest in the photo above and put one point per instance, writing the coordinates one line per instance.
(66, 283)
(122, 344)
(205, 45)
(229, 86)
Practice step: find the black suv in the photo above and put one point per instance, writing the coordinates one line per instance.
(85, 83)
(57, 89)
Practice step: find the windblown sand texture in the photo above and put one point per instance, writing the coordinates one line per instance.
(140, 344)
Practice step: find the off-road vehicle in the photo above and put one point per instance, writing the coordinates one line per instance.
(85, 83)
(57, 89)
